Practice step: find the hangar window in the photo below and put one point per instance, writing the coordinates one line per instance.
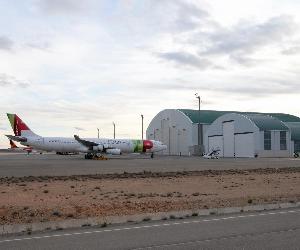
(283, 140)
(267, 140)
(297, 146)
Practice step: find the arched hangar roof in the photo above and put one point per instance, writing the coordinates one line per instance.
(266, 122)
(295, 129)
(209, 116)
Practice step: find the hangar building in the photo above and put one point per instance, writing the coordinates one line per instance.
(236, 134)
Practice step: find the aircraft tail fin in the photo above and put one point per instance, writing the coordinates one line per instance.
(12, 144)
(19, 127)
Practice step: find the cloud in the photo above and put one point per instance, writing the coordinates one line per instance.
(189, 16)
(80, 129)
(8, 81)
(61, 6)
(239, 43)
(2, 127)
(44, 46)
(244, 60)
(254, 91)
(186, 59)
(6, 43)
(291, 51)
(240, 85)
(247, 38)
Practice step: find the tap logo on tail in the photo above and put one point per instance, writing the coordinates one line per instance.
(17, 124)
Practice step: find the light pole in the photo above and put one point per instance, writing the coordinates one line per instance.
(142, 127)
(199, 126)
(114, 130)
(98, 132)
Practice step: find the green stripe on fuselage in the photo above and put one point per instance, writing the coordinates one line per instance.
(137, 146)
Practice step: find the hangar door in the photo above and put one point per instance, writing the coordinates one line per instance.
(244, 145)
(215, 142)
(228, 135)
(182, 142)
(173, 140)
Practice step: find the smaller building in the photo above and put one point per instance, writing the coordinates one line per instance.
(249, 135)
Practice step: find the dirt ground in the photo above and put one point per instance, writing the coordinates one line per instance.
(38, 199)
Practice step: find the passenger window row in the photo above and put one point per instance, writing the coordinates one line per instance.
(67, 142)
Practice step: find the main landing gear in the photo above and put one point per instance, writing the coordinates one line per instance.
(90, 156)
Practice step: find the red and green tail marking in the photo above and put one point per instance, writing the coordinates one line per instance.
(17, 124)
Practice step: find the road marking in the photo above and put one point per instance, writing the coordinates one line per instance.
(164, 246)
(148, 226)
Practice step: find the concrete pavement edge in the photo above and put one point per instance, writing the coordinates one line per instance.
(106, 220)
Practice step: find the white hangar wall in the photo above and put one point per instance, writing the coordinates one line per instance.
(174, 129)
(275, 145)
(237, 135)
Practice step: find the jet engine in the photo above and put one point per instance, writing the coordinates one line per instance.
(98, 148)
(113, 151)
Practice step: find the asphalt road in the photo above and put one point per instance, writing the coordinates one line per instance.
(50, 164)
(278, 229)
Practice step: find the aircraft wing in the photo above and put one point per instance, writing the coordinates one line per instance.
(86, 143)
(95, 146)
(17, 138)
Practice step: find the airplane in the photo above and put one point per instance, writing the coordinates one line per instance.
(90, 146)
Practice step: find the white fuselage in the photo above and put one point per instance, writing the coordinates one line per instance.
(64, 144)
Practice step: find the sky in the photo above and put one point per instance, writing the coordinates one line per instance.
(69, 67)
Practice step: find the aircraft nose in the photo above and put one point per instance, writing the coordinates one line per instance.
(157, 146)
(161, 147)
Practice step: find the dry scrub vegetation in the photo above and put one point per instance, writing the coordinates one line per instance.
(38, 199)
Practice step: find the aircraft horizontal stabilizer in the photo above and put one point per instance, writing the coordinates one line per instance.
(16, 138)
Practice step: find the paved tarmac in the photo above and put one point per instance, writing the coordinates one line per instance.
(19, 165)
(279, 229)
